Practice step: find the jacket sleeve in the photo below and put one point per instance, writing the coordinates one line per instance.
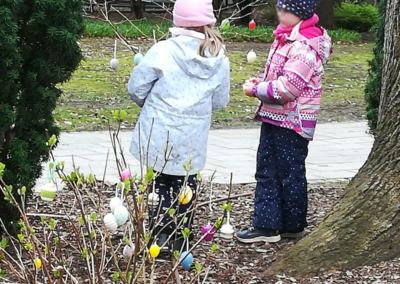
(221, 94)
(143, 77)
(294, 78)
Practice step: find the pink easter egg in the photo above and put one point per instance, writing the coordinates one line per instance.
(209, 235)
(125, 174)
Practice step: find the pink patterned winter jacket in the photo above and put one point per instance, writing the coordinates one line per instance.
(290, 89)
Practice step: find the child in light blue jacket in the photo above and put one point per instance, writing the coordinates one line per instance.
(178, 84)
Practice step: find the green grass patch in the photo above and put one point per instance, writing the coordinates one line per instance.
(95, 90)
(144, 28)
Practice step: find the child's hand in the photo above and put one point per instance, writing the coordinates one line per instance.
(248, 89)
(254, 80)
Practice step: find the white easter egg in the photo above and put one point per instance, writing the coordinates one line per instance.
(114, 203)
(121, 215)
(251, 57)
(227, 232)
(153, 199)
(110, 222)
(48, 192)
(127, 252)
(114, 63)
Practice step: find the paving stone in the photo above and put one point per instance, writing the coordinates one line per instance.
(337, 152)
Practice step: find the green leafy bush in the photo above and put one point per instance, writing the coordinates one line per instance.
(373, 86)
(355, 17)
(39, 49)
(144, 28)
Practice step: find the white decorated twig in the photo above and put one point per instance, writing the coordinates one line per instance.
(115, 49)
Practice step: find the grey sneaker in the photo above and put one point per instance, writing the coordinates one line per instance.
(254, 235)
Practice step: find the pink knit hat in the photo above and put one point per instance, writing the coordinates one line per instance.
(193, 13)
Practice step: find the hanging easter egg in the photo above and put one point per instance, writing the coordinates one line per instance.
(38, 263)
(153, 199)
(125, 174)
(227, 232)
(154, 251)
(208, 230)
(114, 203)
(252, 25)
(186, 196)
(251, 57)
(48, 192)
(127, 252)
(187, 259)
(225, 25)
(110, 222)
(121, 215)
(114, 63)
(138, 57)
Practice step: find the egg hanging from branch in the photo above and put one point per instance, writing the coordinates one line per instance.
(48, 192)
(186, 195)
(225, 25)
(187, 259)
(153, 199)
(154, 251)
(110, 222)
(114, 203)
(138, 58)
(208, 230)
(252, 25)
(121, 215)
(114, 63)
(251, 57)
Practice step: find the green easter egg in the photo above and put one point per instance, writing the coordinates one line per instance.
(225, 25)
(47, 195)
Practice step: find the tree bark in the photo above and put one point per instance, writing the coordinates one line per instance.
(326, 14)
(245, 11)
(363, 227)
(137, 8)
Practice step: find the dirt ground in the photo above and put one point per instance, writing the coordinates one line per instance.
(234, 262)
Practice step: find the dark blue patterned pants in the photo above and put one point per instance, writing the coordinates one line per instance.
(168, 188)
(281, 193)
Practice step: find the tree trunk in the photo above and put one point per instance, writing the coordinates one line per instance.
(245, 11)
(325, 13)
(363, 227)
(217, 6)
(137, 8)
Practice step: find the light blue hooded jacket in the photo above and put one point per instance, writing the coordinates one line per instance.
(178, 89)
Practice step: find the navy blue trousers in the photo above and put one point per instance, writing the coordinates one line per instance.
(168, 187)
(281, 193)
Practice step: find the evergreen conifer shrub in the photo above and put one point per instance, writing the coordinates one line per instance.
(373, 86)
(39, 49)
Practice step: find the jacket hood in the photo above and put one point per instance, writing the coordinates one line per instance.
(310, 33)
(186, 54)
(322, 45)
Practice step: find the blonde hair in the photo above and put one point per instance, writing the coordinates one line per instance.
(213, 42)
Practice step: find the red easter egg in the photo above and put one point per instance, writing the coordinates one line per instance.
(252, 25)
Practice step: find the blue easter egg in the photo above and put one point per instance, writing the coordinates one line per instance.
(138, 57)
(188, 261)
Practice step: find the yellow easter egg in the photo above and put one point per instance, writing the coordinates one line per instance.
(154, 251)
(38, 263)
(186, 196)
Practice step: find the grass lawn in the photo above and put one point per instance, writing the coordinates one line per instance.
(95, 90)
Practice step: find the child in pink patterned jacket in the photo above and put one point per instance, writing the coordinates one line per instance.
(290, 95)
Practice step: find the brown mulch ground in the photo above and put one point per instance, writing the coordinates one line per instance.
(234, 262)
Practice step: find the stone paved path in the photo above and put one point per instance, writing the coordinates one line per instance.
(337, 153)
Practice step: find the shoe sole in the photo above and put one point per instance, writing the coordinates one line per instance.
(273, 239)
(293, 235)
